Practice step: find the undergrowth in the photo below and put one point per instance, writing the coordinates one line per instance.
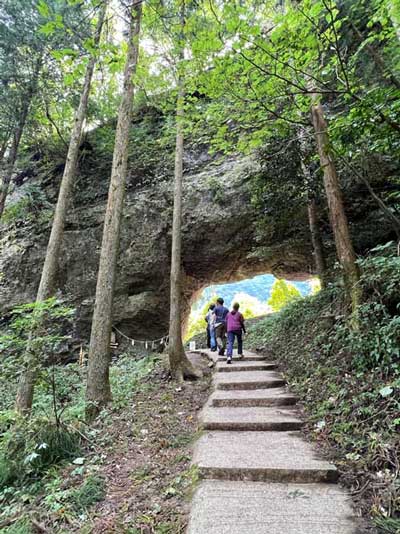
(35, 452)
(349, 381)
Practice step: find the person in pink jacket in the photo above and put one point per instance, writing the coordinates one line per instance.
(235, 328)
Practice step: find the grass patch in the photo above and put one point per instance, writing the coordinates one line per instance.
(22, 526)
(387, 525)
(92, 490)
(32, 446)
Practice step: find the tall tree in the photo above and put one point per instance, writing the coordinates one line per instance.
(312, 210)
(275, 69)
(180, 365)
(55, 241)
(339, 222)
(98, 391)
(21, 115)
(32, 34)
(27, 380)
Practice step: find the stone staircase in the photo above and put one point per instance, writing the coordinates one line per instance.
(258, 474)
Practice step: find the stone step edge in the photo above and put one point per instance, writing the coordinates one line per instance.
(253, 403)
(244, 359)
(243, 368)
(259, 474)
(228, 386)
(275, 426)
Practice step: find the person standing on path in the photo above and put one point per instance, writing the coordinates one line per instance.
(210, 318)
(220, 313)
(235, 327)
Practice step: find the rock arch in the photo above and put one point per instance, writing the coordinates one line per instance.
(220, 244)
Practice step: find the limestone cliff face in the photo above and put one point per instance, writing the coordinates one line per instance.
(220, 243)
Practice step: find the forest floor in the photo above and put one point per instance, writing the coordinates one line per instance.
(133, 473)
(147, 470)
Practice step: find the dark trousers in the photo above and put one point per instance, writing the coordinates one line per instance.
(231, 341)
(220, 336)
(208, 337)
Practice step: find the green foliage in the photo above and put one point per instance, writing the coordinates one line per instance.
(30, 447)
(387, 525)
(32, 337)
(35, 451)
(34, 37)
(282, 294)
(216, 189)
(127, 375)
(349, 381)
(32, 209)
(43, 319)
(259, 84)
(197, 323)
(91, 491)
(22, 526)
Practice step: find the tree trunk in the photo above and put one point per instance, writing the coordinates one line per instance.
(316, 239)
(180, 365)
(12, 157)
(4, 146)
(344, 245)
(394, 14)
(49, 271)
(17, 135)
(98, 391)
(27, 380)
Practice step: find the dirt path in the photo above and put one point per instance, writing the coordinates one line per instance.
(146, 465)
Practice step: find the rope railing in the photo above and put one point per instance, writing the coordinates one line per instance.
(146, 343)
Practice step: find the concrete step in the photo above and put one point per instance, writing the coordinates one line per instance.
(253, 397)
(241, 365)
(260, 456)
(224, 507)
(248, 357)
(260, 418)
(248, 380)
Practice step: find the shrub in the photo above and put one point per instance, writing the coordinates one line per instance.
(90, 492)
(33, 208)
(282, 294)
(33, 334)
(29, 447)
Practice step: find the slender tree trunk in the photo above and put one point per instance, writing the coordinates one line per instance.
(49, 271)
(12, 156)
(17, 135)
(394, 14)
(316, 240)
(312, 210)
(180, 365)
(98, 391)
(24, 399)
(4, 146)
(340, 226)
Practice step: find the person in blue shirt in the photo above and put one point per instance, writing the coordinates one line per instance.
(220, 312)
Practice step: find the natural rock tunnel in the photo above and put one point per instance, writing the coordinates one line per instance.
(220, 244)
